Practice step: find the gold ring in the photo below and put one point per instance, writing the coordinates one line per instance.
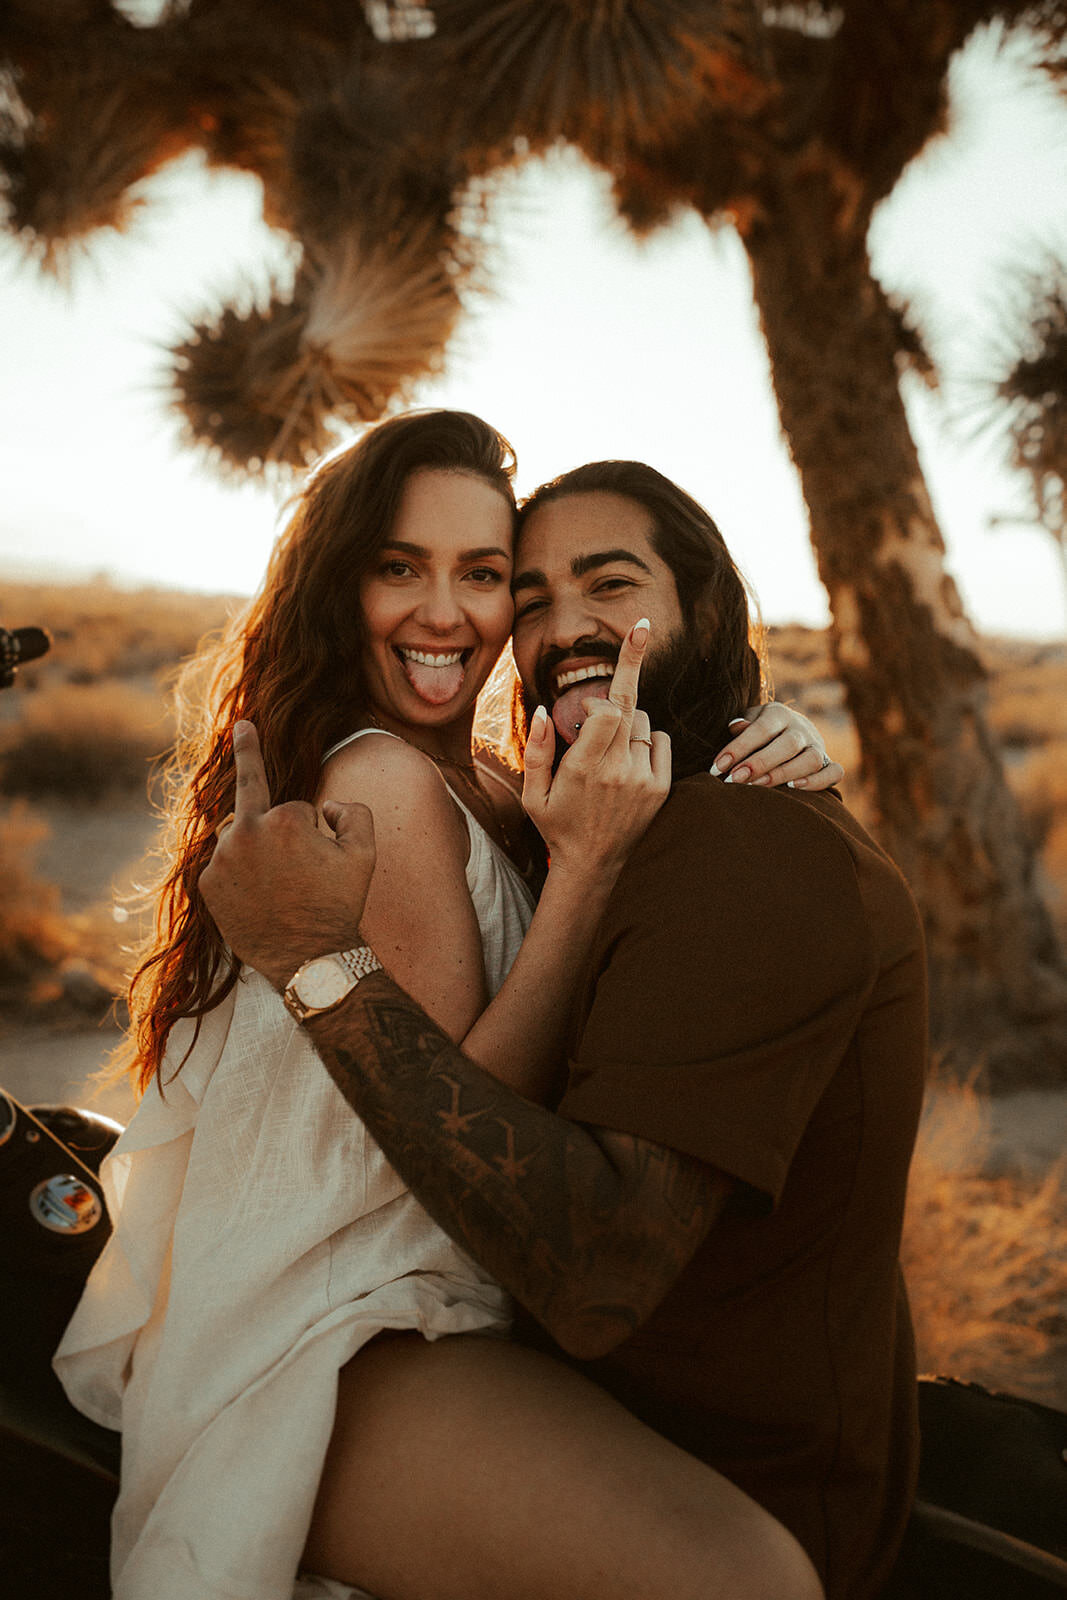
(225, 823)
(635, 740)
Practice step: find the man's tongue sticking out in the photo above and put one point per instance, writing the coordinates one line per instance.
(435, 684)
(568, 713)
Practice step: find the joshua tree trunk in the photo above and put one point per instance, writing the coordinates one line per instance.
(904, 649)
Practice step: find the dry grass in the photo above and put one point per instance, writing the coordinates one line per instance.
(84, 741)
(101, 632)
(985, 1258)
(33, 938)
(55, 966)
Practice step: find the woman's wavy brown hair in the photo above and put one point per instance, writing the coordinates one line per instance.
(291, 662)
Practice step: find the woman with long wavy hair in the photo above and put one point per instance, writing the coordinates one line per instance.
(261, 1242)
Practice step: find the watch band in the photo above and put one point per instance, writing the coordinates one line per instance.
(355, 964)
(360, 961)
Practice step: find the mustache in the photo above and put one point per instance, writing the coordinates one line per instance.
(553, 658)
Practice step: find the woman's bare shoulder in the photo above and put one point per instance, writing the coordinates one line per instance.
(392, 778)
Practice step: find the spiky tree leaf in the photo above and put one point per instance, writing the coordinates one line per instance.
(1032, 397)
(32, 30)
(353, 337)
(102, 114)
(912, 353)
(602, 73)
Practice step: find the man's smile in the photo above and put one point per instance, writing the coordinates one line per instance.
(565, 680)
(560, 670)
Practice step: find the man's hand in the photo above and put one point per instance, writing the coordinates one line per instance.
(280, 889)
(610, 783)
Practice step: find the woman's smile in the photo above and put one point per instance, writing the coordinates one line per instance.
(436, 676)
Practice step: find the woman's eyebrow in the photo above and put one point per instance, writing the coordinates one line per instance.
(482, 553)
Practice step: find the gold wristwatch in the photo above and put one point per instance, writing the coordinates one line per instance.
(324, 981)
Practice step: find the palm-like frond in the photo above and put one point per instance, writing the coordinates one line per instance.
(248, 68)
(32, 30)
(1034, 396)
(360, 157)
(603, 73)
(699, 168)
(1018, 397)
(80, 133)
(912, 353)
(352, 339)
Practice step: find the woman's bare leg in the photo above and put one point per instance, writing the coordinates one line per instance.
(472, 1469)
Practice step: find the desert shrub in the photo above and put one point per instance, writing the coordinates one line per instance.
(33, 936)
(1040, 783)
(82, 742)
(100, 631)
(1025, 715)
(985, 1258)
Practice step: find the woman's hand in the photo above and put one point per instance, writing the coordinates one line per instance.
(772, 745)
(609, 784)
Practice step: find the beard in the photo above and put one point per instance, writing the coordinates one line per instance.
(678, 688)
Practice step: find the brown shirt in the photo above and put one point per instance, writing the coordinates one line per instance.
(756, 997)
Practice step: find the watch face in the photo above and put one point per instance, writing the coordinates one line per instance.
(322, 983)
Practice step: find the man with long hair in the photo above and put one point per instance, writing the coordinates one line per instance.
(709, 1221)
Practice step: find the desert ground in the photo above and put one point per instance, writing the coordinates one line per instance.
(986, 1241)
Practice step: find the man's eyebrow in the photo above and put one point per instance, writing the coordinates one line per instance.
(481, 553)
(535, 579)
(603, 558)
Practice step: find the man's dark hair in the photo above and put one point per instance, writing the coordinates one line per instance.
(717, 670)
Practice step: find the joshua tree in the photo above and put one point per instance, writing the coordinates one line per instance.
(374, 132)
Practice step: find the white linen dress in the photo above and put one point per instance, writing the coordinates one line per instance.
(260, 1239)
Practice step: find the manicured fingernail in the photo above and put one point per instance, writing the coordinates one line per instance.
(735, 720)
(721, 764)
(742, 775)
(639, 632)
(799, 783)
(539, 724)
(765, 779)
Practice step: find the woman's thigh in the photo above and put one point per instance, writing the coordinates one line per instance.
(472, 1469)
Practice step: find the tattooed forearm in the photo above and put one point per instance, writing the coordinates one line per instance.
(588, 1229)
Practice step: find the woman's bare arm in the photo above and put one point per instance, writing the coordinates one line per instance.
(419, 917)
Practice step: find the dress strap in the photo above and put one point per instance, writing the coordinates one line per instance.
(350, 737)
(465, 811)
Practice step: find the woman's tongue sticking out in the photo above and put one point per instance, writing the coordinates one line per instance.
(435, 679)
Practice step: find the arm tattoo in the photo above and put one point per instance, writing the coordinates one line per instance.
(588, 1229)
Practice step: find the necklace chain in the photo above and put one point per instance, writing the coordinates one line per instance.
(470, 772)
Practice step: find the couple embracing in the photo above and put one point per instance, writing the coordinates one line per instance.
(640, 1085)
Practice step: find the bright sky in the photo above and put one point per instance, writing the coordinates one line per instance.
(591, 346)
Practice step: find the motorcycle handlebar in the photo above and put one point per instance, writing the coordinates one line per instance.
(17, 646)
